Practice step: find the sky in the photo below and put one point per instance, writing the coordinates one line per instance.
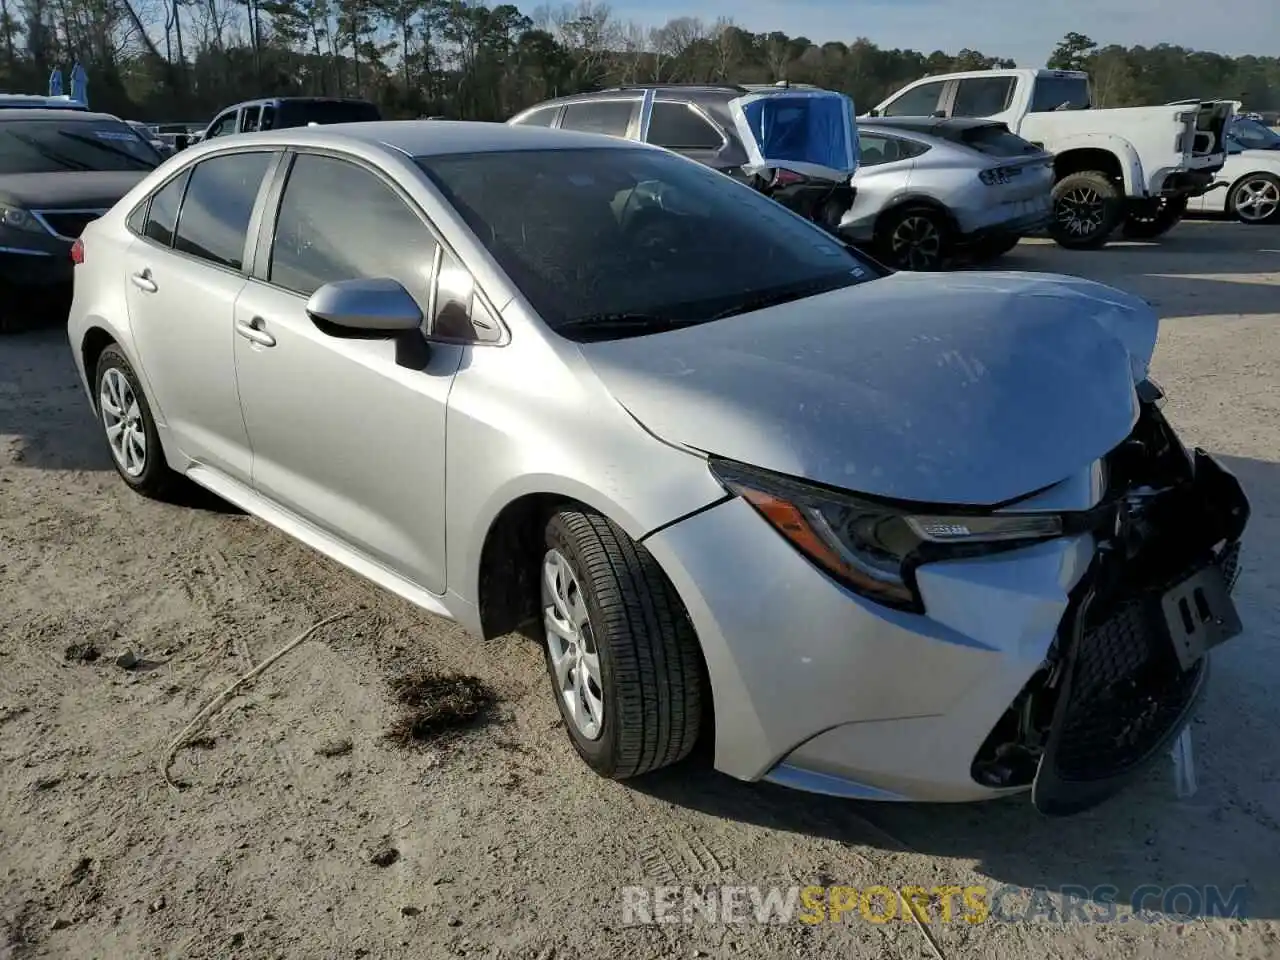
(1025, 31)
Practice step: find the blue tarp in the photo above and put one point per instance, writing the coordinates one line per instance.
(808, 131)
(55, 83)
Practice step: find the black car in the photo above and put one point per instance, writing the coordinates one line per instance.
(276, 113)
(59, 169)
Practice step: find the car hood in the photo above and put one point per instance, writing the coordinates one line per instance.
(69, 190)
(968, 388)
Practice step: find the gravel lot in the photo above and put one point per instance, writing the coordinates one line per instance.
(508, 847)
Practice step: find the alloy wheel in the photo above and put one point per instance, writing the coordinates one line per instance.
(916, 243)
(1081, 211)
(575, 659)
(122, 420)
(1257, 200)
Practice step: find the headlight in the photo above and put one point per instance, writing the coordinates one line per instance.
(873, 547)
(15, 218)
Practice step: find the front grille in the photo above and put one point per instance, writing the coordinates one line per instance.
(69, 223)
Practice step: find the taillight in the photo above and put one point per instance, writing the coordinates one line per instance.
(996, 177)
(77, 251)
(783, 178)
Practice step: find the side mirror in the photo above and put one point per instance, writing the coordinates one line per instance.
(378, 307)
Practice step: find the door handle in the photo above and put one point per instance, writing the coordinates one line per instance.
(143, 281)
(252, 330)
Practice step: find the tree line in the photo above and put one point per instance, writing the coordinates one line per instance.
(183, 60)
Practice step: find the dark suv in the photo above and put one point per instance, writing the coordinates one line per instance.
(692, 119)
(276, 113)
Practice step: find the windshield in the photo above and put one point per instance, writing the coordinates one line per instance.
(56, 146)
(1253, 135)
(621, 241)
(1060, 93)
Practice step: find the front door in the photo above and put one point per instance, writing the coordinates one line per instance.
(344, 436)
(184, 275)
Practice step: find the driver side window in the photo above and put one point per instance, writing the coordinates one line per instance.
(339, 221)
(921, 101)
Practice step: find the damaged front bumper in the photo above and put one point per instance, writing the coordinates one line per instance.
(1131, 657)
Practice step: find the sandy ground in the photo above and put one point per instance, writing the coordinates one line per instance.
(508, 847)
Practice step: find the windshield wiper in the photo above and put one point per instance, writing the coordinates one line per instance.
(776, 298)
(71, 163)
(95, 142)
(626, 323)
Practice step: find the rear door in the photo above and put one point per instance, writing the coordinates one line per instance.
(184, 272)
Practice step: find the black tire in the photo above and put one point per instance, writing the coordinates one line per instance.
(1155, 220)
(1251, 181)
(156, 479)
(914, 238)
(650, 663)
(1087, 208)
(984, 251)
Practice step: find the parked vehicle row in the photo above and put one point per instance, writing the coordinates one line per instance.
(1133, 169)
(882, 535)
(925, 190)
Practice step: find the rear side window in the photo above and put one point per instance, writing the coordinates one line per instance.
(162, 214)
(538, 118)
(920, 102)
(611, 117)
(875, 149)
(997, 141)
(982, 96)
(338, 221)
(218, 205)
(678, 127)
(1060, 93)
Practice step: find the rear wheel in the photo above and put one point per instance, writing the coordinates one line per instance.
(1154, 219)
(1087, 208)
(129, 426)
(1255, 198)
(621, 652)
(914, 238)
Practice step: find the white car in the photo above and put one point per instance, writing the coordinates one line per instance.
(1250, 179)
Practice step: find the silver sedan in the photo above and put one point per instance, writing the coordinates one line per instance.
(931, 189)
(904, 536)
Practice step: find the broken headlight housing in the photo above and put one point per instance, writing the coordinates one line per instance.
(874, 547)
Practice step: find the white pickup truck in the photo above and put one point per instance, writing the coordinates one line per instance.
(1132, 168)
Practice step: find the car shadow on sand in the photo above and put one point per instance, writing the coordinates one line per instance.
(47, 422)
(1170, 851)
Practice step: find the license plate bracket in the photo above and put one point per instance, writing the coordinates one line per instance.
(1199, 615)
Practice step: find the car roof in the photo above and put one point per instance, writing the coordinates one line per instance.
(53, 113)
(424, 138)
(277, 100)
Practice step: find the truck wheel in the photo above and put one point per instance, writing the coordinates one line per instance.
(1087, 208)
(1255, 199)
(1153, 220)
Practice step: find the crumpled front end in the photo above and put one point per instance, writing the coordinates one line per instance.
(1131, 657)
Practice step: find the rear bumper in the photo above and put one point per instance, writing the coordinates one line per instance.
(1017, 227)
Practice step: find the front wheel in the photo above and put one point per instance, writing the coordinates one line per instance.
(1155, 219)
(621, 652)
(915, 238)
(1255, 199)
(1087, 208)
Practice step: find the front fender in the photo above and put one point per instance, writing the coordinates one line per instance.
(559, 434)
(1131, 171)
